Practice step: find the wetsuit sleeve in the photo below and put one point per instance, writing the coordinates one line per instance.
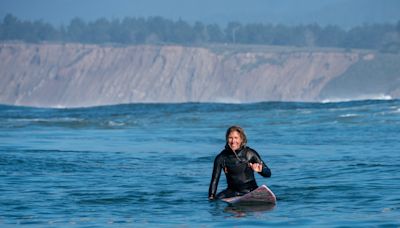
(215, 177)
(255, 158)
(266, 171)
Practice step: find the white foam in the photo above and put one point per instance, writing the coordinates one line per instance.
(59, 106)
(348, 115)
(115, 124)
(359, 98)
(63, 119)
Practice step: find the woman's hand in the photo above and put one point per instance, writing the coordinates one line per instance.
(257, 167)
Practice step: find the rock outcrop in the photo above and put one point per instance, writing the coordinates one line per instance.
(76, 75)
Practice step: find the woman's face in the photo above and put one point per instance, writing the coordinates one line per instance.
(234, 140)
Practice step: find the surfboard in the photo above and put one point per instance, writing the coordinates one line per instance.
(261, 195)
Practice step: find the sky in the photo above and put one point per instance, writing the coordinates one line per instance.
(345, 13)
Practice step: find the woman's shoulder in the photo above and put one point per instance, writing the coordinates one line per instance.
(249, 149)
(222, 155)
(251, 152)
(223, 152)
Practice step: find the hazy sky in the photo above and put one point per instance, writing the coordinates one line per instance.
(346, 13)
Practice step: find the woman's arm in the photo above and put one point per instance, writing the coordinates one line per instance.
(257, 164)
(215, 178)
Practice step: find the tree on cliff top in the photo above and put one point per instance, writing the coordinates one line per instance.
(158, 30)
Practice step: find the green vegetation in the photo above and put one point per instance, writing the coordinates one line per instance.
(158, 30)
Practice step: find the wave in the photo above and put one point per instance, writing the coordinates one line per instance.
(349, 115)
(60, 120)
(224, 102)
(377, 97)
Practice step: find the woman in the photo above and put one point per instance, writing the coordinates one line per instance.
(239, 163)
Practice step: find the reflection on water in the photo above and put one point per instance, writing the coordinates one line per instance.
(241, 210)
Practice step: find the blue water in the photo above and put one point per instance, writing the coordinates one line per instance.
(140, 165)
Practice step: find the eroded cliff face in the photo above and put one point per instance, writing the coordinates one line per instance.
(76, 75)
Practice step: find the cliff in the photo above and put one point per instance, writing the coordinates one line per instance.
(75, 75)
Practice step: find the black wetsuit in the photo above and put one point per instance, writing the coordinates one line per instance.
(239, 176)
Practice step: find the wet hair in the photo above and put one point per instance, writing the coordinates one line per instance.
(239, 130)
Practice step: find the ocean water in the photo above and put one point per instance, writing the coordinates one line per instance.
(141, 165)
